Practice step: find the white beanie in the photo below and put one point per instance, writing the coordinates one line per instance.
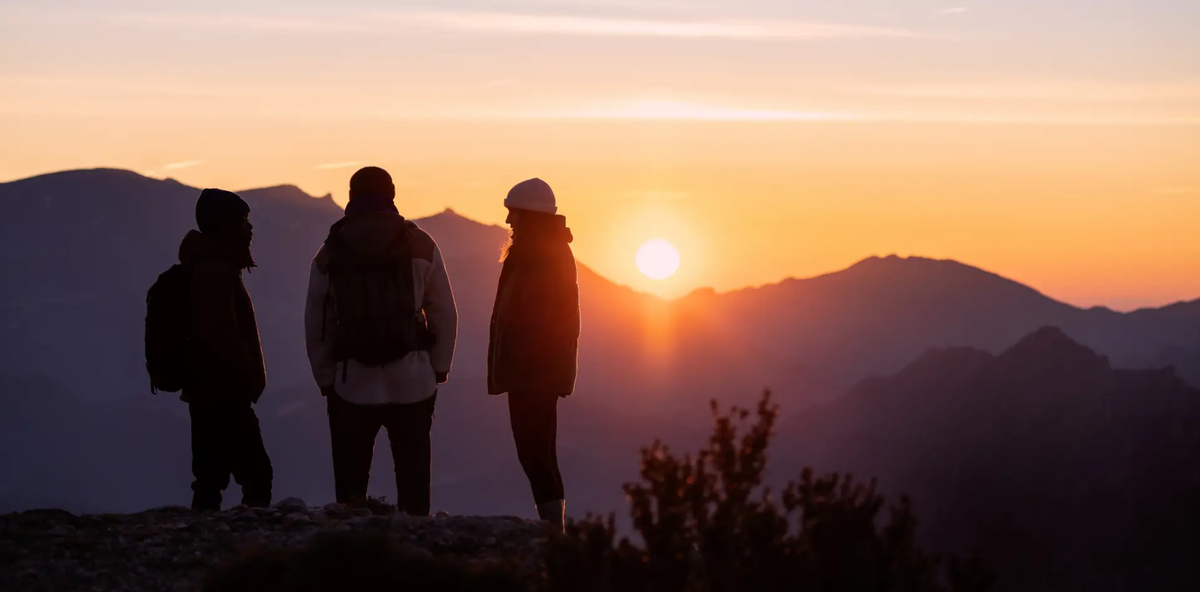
(534, 195)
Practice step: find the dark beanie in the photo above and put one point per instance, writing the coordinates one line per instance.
(218, 210)
(372, 192)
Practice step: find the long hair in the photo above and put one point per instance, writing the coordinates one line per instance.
(534, 231)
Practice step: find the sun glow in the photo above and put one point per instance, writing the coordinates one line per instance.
(657, 259)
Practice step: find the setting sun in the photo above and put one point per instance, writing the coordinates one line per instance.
(657, 259)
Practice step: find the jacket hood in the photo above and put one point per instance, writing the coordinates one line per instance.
(369, 238)
(197, 246)
(541, 228)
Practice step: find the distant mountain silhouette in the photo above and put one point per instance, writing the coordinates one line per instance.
(79, 249)
(1063, 472)
(879, 314)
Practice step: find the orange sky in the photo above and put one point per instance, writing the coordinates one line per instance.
(764, 140)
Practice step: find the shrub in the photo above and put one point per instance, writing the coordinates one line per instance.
(707, 523)
(379, 506)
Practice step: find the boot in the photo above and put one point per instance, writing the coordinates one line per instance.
(555, 514)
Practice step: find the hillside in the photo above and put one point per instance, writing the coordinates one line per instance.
(1045, 458)
(879, 314)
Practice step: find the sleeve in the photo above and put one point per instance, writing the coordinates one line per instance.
(572, 301)
(215, 336)
(441, 313)
(320, 322)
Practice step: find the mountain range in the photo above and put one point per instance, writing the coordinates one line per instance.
(1067, 474)
(962, 412)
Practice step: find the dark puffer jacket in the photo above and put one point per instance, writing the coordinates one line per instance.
(226, 360)
(534, 345)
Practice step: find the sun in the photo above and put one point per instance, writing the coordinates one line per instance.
(657, 259)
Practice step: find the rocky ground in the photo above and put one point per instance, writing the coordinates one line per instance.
(171, 549)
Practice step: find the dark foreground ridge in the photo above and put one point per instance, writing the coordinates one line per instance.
(174, 549)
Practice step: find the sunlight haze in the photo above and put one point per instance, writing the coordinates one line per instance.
(1056, 143)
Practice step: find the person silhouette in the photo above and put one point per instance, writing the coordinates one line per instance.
(534, 337)
(380, 325)
(225, 371)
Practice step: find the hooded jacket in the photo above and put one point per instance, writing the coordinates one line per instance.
(534, 341)
(225, 354)
(410, 379)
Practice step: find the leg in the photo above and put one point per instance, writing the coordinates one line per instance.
(251, 465)
(534, 419)
(210, 455)
(408, 429)
(552, 437)
(352, 431)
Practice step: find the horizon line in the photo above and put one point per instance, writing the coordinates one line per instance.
(449, 210)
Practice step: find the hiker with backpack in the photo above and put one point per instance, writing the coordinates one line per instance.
(534, 342)
(380, 325)
(202, 340)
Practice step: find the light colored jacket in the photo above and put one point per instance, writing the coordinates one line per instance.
(410, 379)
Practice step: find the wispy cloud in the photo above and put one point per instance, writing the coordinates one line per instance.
(684, 111)
(181, 88)
(496, 22)
(174, 166)
(1057, 90)
(338, 165)
(1181, 190)
(389, 23)
(953, 10)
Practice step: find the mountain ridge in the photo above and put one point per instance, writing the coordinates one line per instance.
(78, 255)
(890, 263)
(1047, 460)
(822, 334)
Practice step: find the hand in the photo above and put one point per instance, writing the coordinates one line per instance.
(442, 377)
(327, 391)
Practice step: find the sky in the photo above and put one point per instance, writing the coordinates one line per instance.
(1055, 142)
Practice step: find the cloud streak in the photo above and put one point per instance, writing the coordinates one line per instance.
(187, 164)
(529, 24)
(338, 165)
(390, 23)
(694, 112)
(1058, 90)
(1179, 190)
(684, 111)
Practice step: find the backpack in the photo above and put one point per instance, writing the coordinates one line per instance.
(378, 320)
(167, 330)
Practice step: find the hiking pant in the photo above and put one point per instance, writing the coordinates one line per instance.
(226, 440)
(352, 431)
(534, 419)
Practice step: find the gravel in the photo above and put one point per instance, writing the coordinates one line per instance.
(171, 549)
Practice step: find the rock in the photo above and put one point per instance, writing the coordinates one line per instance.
(362, 512)
(291, 504)
(171, 549)
(441, 515)
(297, 519)
(62, 530)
